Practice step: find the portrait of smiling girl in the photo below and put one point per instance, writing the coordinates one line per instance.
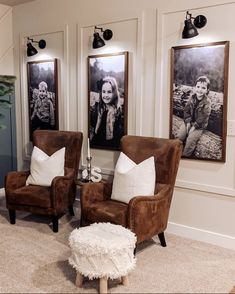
(106, 115)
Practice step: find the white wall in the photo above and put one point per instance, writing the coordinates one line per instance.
(204, 200)
(204, 197)
(6, 44)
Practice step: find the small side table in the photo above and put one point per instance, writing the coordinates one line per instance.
(102, 250)
(80, 182)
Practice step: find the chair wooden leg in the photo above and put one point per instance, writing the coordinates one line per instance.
(103, 285)
(134, 251)
(71, 211)
(12, 215)
(162, 239)
(55, 223)
(125, 281)
(79, 280)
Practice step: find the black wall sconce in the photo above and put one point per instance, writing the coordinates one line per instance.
(31, 50)
(190, 30)
(98, 41)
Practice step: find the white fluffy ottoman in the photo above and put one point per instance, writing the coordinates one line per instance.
(102, 250)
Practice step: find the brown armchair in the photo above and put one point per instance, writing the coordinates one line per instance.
(146, 216)
(53, 200)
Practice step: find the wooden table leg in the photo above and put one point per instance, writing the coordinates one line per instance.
(79, 279)
(125, 281)
(103, 285)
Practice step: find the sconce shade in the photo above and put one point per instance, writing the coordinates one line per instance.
(189, 30)
(31, 50)
(200, 21)
(98, 41)
(42, 44)
(107, 34)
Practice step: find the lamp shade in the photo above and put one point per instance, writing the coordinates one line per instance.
(107, 34)
(98, 41)
(200, 21)
(189, 30)
(31, 50)
(42, 44)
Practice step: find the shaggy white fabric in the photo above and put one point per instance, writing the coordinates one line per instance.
(44, 168)
(131, 179)
(102, 250)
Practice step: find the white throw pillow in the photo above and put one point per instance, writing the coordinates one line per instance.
(44, 168)
(131, 179)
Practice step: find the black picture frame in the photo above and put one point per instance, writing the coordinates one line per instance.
(188, 63)
(107, 119)
(42, 103)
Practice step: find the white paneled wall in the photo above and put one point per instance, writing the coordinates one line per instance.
(196, 203)
(204, 199)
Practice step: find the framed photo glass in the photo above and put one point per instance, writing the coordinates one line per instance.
(198, 108)
(42, 95)
(107, 99)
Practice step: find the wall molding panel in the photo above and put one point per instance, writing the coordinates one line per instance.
(6, 53)
(205, 188)
(135, 81)
(8, 12)
(63, 80)
(189, 176)
(6, 45)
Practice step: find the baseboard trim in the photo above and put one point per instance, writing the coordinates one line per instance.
(202, 235)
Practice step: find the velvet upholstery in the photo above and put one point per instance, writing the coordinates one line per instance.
(53, 200)
(146, 216)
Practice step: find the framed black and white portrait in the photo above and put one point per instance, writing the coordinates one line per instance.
(42, 95)
(107, 99)
(198, 108)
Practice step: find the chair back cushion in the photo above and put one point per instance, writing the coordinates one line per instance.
(131, 179)
(49, 141)
(166, 154)
(44, 168)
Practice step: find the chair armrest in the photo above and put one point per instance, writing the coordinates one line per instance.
(63, 190)
(159, 196)
(148, 215)
(15, 180)
(91, 192)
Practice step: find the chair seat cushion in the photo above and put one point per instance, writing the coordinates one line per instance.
(31, 195)
(107, 211)
(131, 179)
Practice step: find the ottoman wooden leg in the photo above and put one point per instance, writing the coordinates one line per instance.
(103, 285)
(79, 280)
(125, 281)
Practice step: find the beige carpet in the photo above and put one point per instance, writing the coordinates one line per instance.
(33, 259)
